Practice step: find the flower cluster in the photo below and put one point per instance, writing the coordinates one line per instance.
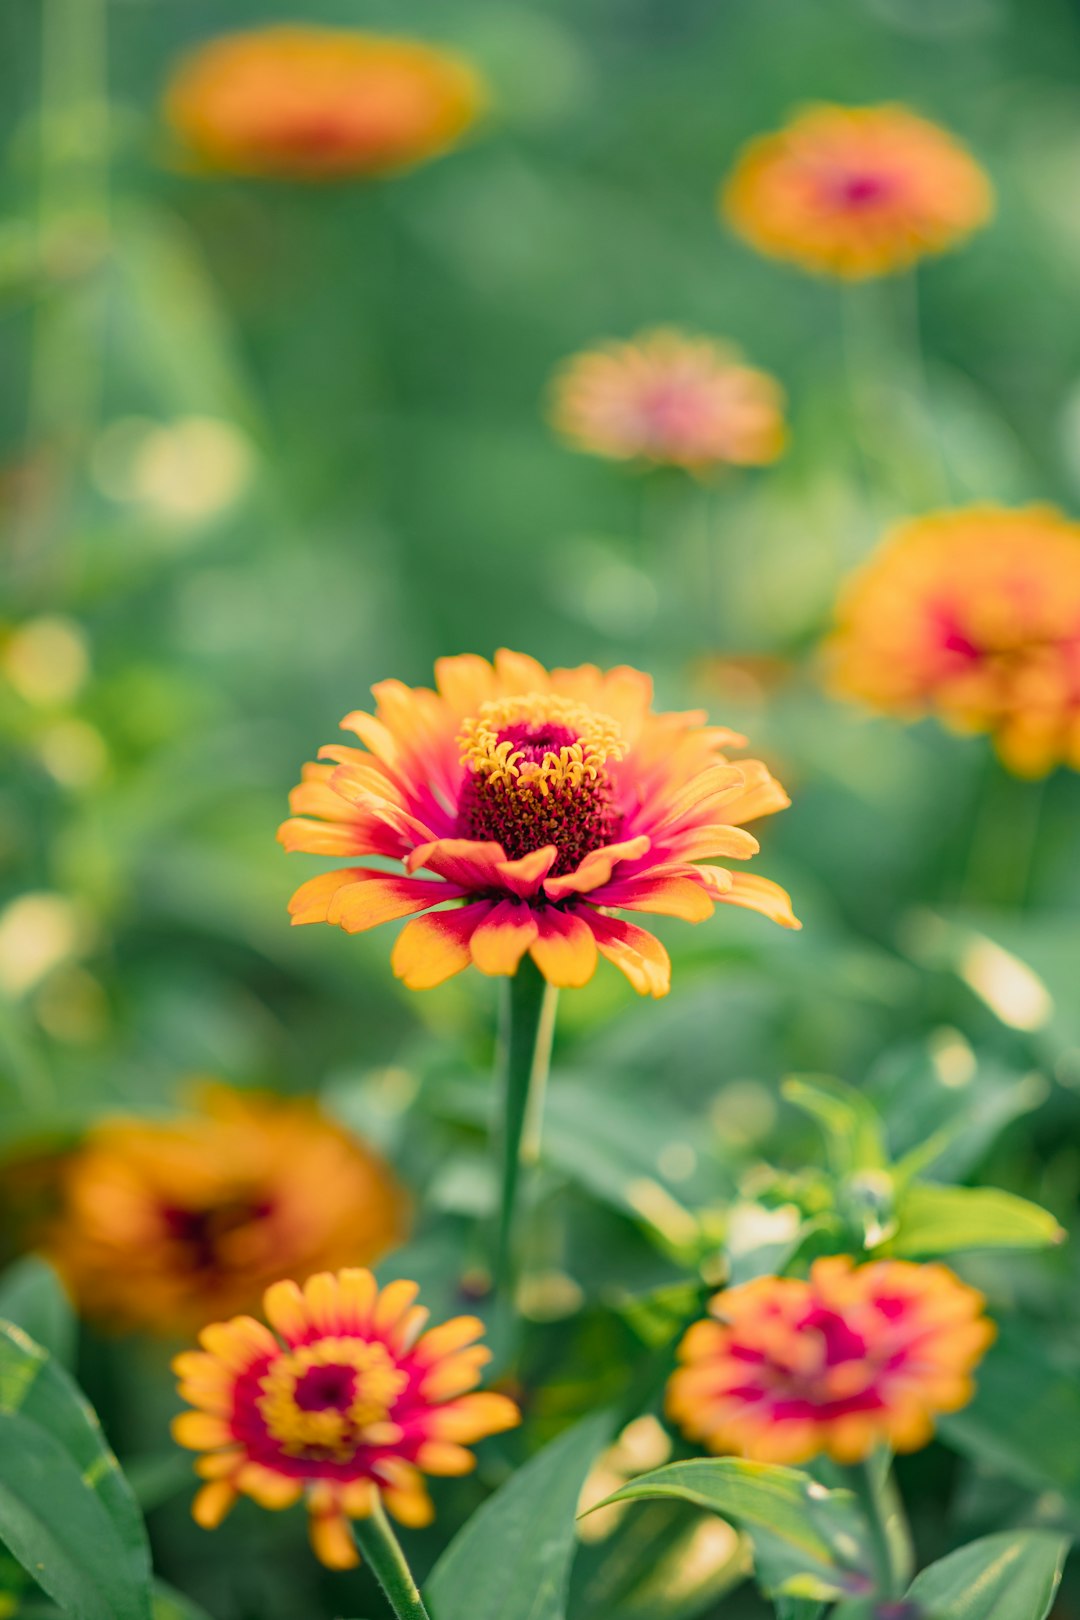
(307, 103)
(540, 804)
(972, 615)
(669, 399)
(346, 1400)
(786, 1368)
(165, 1224)
(856, 191)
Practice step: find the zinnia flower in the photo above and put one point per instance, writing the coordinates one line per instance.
(307, 103)
(856, 191)
(539, 804)
(350, 1399)
(671, 400)
(853, 1357)
(165, 1224)
(974, 616)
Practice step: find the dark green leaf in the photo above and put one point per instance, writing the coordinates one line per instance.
(512, 1559)
(809, 1542)
(1012, 1576)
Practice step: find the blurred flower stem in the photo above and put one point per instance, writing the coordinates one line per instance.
(1003, 838)
(382, 1553)
(872, 1485)
(527, 1031)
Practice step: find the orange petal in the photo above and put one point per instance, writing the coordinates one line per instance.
(465, 682)
(761, 894)
(677, 895)
(378, 897)
(212, 1503)
(524, 876)
(322, 837)
(332, 1539)
(596, 868)
(200, 1431)
(433, 948)
(286, 1310)
(565, 949)
(473, 1417)
(446, 1338)
(469, 862)
(311, 902)
(634, 952)
(502, 938)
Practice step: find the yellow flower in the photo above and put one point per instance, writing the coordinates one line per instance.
(974, 616)
(672, 400)
(347, 1399)
(166, 1224)
(540, 803)
(856, 191)
(855, 1356)
(307, 103)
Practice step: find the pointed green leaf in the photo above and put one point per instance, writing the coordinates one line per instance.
(32, 1296)
(854, 1135)
(936, 1220)
(65, 1508)
(1011, 1576)
(512, 1560)
(809, 1542)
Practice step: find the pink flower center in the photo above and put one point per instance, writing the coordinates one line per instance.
(857, 191)
(204, 1233)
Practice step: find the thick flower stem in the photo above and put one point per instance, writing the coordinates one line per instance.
(871, 1484)
(382, 1553)
(528, 1026)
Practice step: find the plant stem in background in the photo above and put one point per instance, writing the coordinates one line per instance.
(528, 1026)
(1004, 839)
(890, 1542)
(382, 1552)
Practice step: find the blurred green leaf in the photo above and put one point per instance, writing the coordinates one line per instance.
(172, 1605)
(32, 1296)
(68, 1514)
(512, 1559)
(808, 1541)
(662, 1561)
(1012, 1576)
(935, 1220)
(854, 1137)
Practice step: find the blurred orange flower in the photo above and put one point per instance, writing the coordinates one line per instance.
(165, 1224)
(856, 191)
(351, 1399)
(972, 615)
(672, 400)
(853, 1357)
(308, 103)
(542, 802)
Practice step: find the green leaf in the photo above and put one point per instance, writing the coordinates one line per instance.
(32, 1296)
(662, 1561)
(65, 1508)
(173, 1605)
(939, 1220)
(809, 1542)
(1025, 1414)
(1011, 1576)
(512, 1560)
(854, 1136)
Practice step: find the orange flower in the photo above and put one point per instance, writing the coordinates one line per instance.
(856, 191)
(166, 1224)
(304, 103)
(540, 803)
(974, 616)
(853, 1357)
(672, 400)
(350, 1400)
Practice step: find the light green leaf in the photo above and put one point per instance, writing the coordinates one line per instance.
(32, 1296)
(809, 1542)
(65, 1508)
(854, 1136)
(662, 1561)
(1011, 1576)
(512, 1560)
(940, 1220)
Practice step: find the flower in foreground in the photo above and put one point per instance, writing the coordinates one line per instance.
(856, 191)
(670, 399)
(539, 804)
(787, 1368)
(973, 616)
(309, 103)
(165, 1224)
(347, 1399)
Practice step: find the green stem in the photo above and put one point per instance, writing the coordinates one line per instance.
(382, 1552)
(528, 1027)
(871, 1484)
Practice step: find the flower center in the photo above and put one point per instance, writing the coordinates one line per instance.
(536, 775)
(862, 190)
(327, 1399)
(205, 1234)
